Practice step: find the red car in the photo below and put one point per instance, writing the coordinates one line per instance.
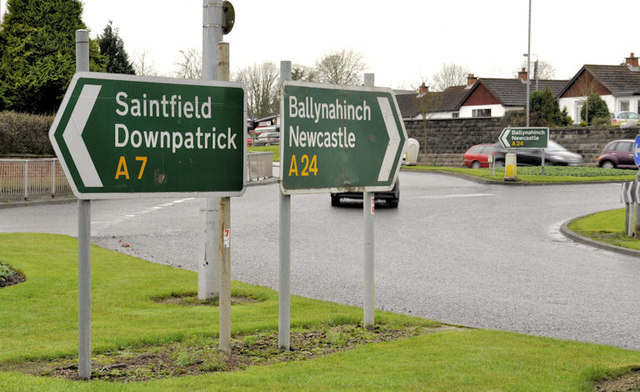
(478, 156)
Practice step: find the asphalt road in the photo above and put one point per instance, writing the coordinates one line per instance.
(457, 251)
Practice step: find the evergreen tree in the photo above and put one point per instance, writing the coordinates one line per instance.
(112, 47)
(37, 53)
(544, 109)
(594, 108)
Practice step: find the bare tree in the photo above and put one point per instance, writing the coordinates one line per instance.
(190, 67)
(449, 75)
(303, 73)
(262, 84)
(143, 66)
(342, 68)
(541, 69)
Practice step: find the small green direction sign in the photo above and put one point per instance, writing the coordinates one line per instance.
(120, 136)
(536, 137)
(338, 138)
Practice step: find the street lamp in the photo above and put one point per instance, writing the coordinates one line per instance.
(528, 64)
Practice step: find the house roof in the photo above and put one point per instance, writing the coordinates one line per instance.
(618, 79)
(432, 102)
(512, 92)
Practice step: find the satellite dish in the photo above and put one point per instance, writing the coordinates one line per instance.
(228, 17)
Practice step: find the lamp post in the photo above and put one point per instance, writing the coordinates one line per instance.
(528, 64)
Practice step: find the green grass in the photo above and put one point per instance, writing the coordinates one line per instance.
(38, 319)
(533, 174)
(274, 149)
(605, 226)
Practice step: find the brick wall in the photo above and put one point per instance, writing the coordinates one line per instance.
(447, 140)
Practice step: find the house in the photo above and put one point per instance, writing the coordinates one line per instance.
(491, 97)
(431, 104)
(617, 85)
(481, 97)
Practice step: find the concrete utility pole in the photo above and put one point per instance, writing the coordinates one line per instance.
(208, 271)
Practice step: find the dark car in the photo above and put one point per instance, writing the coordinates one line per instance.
(478, 156)
(554, 155)
(618, 154)
(392, 197)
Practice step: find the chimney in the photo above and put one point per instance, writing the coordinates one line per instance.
(522, 75)
(631, 61)
(471, 80)
(423, 89)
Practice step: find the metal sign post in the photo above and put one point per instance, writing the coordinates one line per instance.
(284, 270)
(368, 210)
(84, 244)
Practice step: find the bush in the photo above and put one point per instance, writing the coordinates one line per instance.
(594, 108)
(22, 133)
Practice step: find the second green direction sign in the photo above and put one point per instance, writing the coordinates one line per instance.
(337, 139)
(123, 136)
(535, 137)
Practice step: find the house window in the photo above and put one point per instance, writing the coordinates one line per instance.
(481, 113)
(455, 115)
(624, 106)
(578, 112)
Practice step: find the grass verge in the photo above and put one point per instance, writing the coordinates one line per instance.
(533, 174)
(605, 226)
(38, 321)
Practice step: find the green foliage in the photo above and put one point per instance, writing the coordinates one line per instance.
(22, 133)
(594, 108)
(112, 48)
(544, 110)
(514, 118)
(37, 53)
(5, 271)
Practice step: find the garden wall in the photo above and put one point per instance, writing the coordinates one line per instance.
(447, 140)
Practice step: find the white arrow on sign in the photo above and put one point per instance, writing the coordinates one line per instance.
(504, 137)
(394, 139)
(72, 135)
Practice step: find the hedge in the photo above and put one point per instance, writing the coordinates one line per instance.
(22, 134)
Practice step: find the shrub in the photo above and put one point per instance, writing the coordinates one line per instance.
(594, 108)
(22, 133)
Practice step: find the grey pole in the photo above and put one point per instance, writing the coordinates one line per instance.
(528, 64)
(208, 269)
(636, 206)
(84, 244)
(368, 207)
(284, 278)
(225, 223)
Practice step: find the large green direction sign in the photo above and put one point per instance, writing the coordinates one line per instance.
(336, 138)
(535, 137)
(121, 136)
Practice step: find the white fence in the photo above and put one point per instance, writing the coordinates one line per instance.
(25, 178)
(260, 165)
(21, 179)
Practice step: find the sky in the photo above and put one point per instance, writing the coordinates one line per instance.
(402, 42)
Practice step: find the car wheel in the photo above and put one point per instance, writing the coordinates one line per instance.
(476, 165)
(335, 201)
(393, 203)
(607, 165)
(499, 163)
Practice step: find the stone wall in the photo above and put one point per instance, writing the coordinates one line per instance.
(447, 140)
